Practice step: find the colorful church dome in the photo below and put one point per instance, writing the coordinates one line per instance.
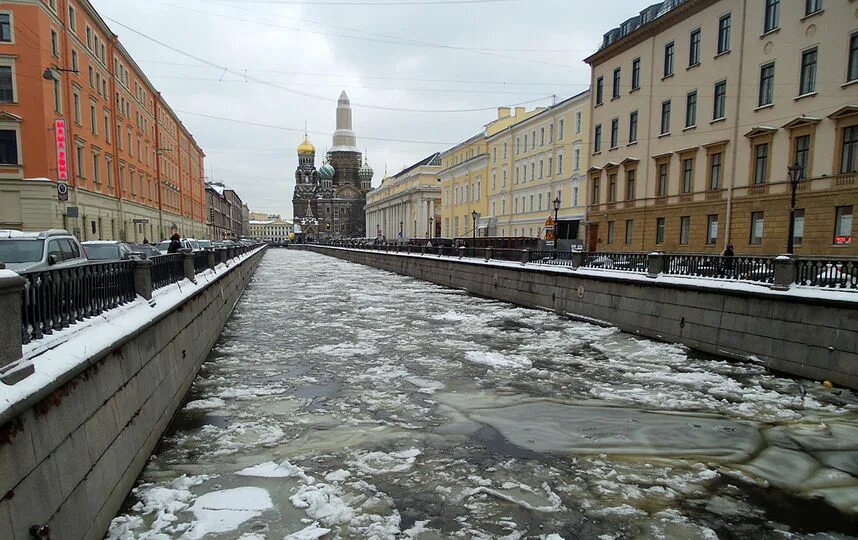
(306, 147)
(365, 172)
(326, 171)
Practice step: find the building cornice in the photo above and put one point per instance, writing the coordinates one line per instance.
(465, 166)
(653, 28)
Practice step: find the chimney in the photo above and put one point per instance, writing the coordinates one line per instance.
(503, 112)
(519, 111)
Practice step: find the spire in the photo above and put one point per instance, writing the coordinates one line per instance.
(309, 213)
(344, 137)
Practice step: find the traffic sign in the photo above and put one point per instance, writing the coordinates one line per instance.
(62, 191)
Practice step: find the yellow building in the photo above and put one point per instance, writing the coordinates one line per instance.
(535, 161)
(407, 204)
(464, 180)
(698, 109)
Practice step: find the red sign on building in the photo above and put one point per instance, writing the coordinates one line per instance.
(62, 161)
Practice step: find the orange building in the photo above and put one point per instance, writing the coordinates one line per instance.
(75, 108)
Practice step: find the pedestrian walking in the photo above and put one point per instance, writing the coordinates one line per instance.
(727, 260)
(175, 244)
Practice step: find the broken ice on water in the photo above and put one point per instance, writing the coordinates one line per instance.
(347, 402)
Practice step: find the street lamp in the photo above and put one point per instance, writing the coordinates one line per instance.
(794, 178)
(431, 227)
(400, 229)
(556, 228)
(475, 215)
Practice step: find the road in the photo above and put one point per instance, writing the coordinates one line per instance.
(354, 403)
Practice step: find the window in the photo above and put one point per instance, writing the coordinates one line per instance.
(58, 97)
(81, 172)
(599, 90)
(89, 38)
(636, 73)
(7, 85)
(72, 18)
(663, 172)
(75, 63)
(597, 139)
(517, 145)
(610, 232)
(55, 43)
(629, 230)
(761, 163)
(724, 34)
(691, 109)
(106, 127)
(596, 189)
(659, 230)
(668, 59)
(560, 129)
(8, 147)
(767, 84)
(6, 27)
(91, 77)
(756, 235)
(616, 86)
(504, 150)
(802, 154)
(849, 152)
(533, 139)
(612, 187)
(633, 127)
(575, 196)
(712, 229)
(576, 155)
(525, 143)
(579, 122)
(76, 105)
(93, 123)
(541, 168)
(687, 175)
(665, 117)
(798, 227)
(684, 229)
(615, 132)
(719, 109)
(559, 163)
(808, 72)
(694, 48)
(812, 6)
(630, 184)
(773, 8)
(853, 57)
(843, 226)
(494, 154)
(715, 171)
(96, 176)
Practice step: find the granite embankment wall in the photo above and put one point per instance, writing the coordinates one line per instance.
(70, 457)
(789, 331)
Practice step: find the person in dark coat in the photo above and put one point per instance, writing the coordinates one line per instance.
(175, 244)
(727, 261)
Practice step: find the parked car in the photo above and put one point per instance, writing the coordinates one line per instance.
(205, 244)
(146, 249)
(30, 251)
(109, 250)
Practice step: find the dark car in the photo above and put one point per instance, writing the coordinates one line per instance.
(109, 250)
(147, 250)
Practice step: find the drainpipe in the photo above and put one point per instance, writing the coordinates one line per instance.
(158, 166)
(729, 218)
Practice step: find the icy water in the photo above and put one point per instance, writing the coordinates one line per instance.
(347, 402)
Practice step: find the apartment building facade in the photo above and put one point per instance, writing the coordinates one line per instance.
(408, 204)
(536, 161)
(698, 109)
(75, 109)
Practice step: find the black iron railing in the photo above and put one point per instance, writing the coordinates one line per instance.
(610, 260)
(549, 256)
(167, 269)
(759, 269)
(835, 274)
(54, 299)
(201, 261)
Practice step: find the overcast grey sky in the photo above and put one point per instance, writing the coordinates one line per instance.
(287, 61)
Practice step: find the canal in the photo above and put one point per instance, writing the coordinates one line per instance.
(346, 402)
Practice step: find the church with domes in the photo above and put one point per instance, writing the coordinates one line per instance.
(328, 202)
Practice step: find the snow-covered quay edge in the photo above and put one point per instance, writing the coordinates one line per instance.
(805, 332)
(76, 433)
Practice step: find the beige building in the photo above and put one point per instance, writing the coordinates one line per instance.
(698, 109)
(533, 162)
(272, 229)
(407, 204)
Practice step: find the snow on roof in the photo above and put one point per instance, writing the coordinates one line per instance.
(101, 242)
(217, 188)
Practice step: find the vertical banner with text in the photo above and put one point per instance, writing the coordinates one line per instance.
(60, 137)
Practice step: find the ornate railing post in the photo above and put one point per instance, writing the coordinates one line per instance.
(461, 251)
(11, 287)
(655, 264)
(188, 261)
(211, 259)
(489, 253)
(525, 256)
(577, 259)
(143, 278)
(785, 273)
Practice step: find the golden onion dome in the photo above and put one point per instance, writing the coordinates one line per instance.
(306, 147)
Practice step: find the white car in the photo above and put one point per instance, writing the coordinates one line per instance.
(45, 250)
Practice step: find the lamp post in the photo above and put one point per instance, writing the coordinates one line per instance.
(475, 215)
(400, 228)
(794, 178)
(556, 228)
(431, 227)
